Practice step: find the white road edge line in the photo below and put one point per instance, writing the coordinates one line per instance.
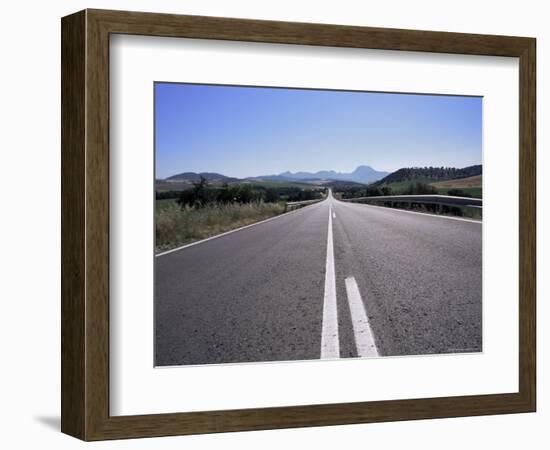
(439, 216)
(235, 230)
(364, 340)
(330, 345)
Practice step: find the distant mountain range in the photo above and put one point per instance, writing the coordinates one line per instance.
(362, 174)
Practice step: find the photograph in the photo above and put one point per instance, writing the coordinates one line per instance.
(302, 224)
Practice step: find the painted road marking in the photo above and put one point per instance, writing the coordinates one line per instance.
(364, 340)
(334, 215)
(330, 345)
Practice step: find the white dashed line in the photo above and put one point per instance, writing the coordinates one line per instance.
(364, 340)
(330, 345)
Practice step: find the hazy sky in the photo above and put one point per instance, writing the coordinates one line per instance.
(247, 131)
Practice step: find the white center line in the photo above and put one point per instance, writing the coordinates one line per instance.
(334, 215)
(364, 340)
(330, 345)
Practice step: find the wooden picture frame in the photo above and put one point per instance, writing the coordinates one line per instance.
(85, 224)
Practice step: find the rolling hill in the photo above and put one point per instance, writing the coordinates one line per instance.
(465, 181)
(429, 174)
(193, 177)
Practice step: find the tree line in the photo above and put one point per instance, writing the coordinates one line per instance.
(373, 190)
(202, 194)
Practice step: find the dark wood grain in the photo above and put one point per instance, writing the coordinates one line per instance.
(527, 224)
(85, 224)
(97, 225)
(73, 225)
(151, 24)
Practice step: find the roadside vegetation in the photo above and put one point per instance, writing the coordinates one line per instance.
(178, 226)
(475, 192)
(415, 188)
(182, 217)
(465, 182)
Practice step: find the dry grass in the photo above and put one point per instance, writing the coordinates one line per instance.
(176, 226)
(470, 182)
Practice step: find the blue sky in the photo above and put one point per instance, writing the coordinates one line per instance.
(248, 131)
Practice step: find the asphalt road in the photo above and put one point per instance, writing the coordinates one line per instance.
(329, 280)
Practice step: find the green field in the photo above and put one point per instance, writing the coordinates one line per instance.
(402, 186)
(163, 186)
(475, 192)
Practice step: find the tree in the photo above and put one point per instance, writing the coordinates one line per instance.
(373, 191)
(196, 197)
(200, 191)
(271, 195)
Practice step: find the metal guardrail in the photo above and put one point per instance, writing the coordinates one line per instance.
(446, 200)
(291, 205)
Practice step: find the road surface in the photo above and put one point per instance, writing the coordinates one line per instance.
(331, 280)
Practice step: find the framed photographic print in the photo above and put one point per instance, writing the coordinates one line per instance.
(272, 224)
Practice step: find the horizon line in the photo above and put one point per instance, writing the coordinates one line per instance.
(313, 173)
